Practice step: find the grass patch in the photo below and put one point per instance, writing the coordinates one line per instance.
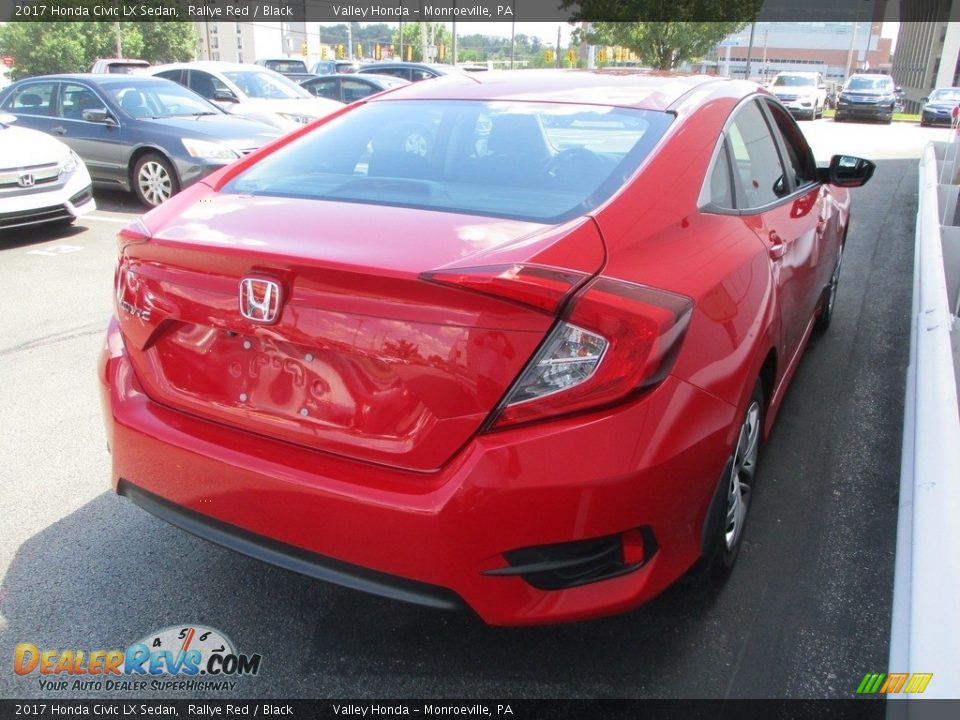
(897, 117)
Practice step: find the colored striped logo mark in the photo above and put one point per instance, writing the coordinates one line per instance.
(884, 683)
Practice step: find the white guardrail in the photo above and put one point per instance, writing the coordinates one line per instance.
(925, 634)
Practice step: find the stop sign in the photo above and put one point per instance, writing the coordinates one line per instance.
(8, 60)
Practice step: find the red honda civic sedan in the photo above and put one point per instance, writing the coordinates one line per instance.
(510, 342)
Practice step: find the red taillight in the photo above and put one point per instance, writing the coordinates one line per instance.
(536, 286)
(616, 338)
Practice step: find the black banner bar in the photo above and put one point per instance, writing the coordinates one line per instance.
(855, 709)
(375, 11)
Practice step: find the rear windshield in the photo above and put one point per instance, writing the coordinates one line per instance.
(544, 162)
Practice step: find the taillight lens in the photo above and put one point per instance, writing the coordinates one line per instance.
(616, 338)
(569, 357)
(539, 287)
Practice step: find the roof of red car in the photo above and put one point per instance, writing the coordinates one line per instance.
(647, 90)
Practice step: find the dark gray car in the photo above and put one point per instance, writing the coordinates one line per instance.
(137, 133)
(348, 88)
(411, 71)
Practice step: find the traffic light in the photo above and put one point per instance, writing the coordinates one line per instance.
(323, 52)
(619, 54)
(341, 52)
(571, 56)
(442, 52)
(602, 55)
(303, 49)
(377, 52)
(408, 51)
(360, 51)
(548, 56)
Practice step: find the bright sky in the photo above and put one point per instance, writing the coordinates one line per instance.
(546, 31)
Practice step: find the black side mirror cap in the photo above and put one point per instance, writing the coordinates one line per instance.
(847, 171)
(225, 96)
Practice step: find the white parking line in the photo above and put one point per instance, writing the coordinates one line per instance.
(101, 218)
(56, 250)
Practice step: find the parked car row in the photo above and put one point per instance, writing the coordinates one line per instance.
(154, 130)
(135, 132)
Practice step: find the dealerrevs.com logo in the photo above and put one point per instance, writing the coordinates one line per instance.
(180, 657)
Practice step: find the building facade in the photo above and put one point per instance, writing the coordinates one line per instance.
(833, 49)
(928, 51)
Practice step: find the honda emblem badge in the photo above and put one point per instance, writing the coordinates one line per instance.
(260, 299)
(26, 180)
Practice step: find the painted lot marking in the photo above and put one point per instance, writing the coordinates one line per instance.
(54, 250)
(101, 218)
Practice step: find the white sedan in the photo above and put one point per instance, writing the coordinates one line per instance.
(41, 179)
(250, 90)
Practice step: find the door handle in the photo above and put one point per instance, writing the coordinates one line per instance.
(59, 130)
(777, 248)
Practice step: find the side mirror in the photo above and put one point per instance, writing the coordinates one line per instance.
(847, 171)
(99, 116)
(924, 99)
(225, 96)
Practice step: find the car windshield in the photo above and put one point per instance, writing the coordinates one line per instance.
(543, 162)
(793, 81)
(945, 95)
(265, 84)
(870, 83)
(159, 100)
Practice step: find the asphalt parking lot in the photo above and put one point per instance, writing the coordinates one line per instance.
(806, 613)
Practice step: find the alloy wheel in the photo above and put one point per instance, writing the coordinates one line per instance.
(741, 476)
(155, 182)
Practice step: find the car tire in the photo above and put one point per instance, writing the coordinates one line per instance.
(731, 505)
(838, 117)
(829, 297)
(154, 179)
(888, 120)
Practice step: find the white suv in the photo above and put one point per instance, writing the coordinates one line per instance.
(803, 93)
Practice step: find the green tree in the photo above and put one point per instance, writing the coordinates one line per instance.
(413, 34)
(41, 48)
(662, 45)
(670, 32)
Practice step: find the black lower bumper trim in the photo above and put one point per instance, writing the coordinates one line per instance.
(290, 557)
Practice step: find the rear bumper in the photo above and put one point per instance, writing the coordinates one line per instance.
(430, 537)
(873, 112)
(933, 118)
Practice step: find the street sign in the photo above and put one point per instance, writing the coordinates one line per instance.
(729, 42)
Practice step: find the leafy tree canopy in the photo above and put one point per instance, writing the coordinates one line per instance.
(40, 48)
(662, 45)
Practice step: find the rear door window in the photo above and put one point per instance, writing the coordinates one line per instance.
(32, 99)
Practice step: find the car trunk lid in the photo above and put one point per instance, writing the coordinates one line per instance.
(367, 358)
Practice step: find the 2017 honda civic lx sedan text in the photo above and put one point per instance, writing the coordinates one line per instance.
(509, 342)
